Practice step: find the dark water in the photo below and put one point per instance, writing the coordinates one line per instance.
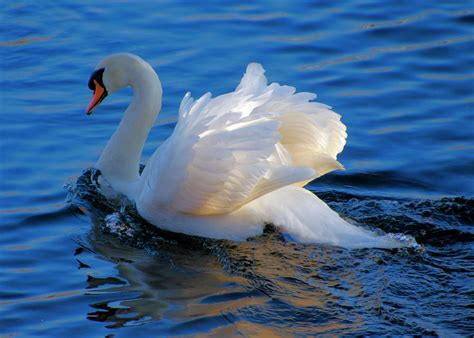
(399, 73)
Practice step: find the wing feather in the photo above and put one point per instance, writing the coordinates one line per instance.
(229, 150)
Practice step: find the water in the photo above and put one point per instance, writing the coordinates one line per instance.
(401, 76)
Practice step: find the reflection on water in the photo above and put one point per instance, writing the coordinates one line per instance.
(379, 52)
(24, 41)
(172, 285)
(182, 288)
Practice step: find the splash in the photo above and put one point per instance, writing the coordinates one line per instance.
(121, 219)
(406, 241)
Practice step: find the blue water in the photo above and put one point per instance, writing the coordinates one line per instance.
(400, 74)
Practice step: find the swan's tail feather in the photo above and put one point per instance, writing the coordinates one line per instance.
(308, 219)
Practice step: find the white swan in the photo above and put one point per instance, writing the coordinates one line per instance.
(232, 164)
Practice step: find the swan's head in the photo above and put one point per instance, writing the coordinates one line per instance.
(111, 74)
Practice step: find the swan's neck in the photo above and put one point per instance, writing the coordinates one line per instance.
(120, 160)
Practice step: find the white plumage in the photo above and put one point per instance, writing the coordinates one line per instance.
(233, 163)
(228, 151)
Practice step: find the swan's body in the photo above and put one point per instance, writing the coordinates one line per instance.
(232, 164)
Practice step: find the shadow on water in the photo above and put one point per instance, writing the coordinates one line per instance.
(188, 284)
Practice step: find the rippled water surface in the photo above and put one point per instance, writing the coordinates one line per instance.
(400, 73)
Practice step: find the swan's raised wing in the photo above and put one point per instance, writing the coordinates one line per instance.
(232, 149)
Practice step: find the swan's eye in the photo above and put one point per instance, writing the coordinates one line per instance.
(97, 76)
(91, 83)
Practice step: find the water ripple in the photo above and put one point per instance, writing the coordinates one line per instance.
(399, 75)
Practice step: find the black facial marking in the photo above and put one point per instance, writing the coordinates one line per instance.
(97, 75)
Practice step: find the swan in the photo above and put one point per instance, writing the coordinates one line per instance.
(232, 164)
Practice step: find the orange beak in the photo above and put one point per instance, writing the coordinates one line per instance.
(99, 94)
